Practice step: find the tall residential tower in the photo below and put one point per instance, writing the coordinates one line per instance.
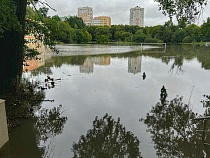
(137, 16)
(86, 13)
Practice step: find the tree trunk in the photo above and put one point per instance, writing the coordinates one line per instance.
(11, 52)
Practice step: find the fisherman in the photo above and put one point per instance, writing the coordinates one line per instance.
(163, 90)
(163, 93)
(144, 75)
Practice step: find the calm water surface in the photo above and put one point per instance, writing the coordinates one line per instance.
(92, 80)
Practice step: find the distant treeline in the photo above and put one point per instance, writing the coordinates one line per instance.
(73, 30)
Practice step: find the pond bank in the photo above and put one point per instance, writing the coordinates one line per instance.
(19, 104)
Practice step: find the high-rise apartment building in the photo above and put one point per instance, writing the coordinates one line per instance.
(86, 13)
(102, 21)
(137, 16)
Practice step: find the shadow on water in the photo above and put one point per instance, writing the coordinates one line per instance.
(25, 140)
(174, 130)
(107, 139)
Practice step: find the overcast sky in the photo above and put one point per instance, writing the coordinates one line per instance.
(118, 10)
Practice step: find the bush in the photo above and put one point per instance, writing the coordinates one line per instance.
(151, 40)
(187, 39)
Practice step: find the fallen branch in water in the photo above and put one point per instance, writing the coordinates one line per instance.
(44, 100)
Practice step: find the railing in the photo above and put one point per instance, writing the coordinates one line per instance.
(154, 44)
(4, 138)
(204, 131)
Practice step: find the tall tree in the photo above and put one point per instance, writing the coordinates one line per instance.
(205, 29)
(11, 48)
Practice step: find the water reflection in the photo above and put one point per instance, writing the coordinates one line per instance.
(88, 65)
(177, 62)
(174, 55)
(31, 64)
(174, 132)
(121, 95)
(134, 64)
(107, 139)
(34, 137)
(49, 123)
(206, 104)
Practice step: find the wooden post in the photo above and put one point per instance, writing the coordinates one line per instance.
(204, 130)
(141, 47)
(4, 138)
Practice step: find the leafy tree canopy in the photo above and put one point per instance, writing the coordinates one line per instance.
(8, 20)
(75, 22)
(182, 9)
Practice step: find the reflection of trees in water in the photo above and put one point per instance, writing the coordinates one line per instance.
(107, 139)
(174, 131)
(42, 69)
(58, 61)
(175, 53)
(187, 52)
(205, 123)
(178, 62)
(50, 123)
(206, 104)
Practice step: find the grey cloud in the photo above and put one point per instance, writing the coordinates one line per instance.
(118, 10)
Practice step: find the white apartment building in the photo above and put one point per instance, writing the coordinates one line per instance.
(137, 16)
(86, 13)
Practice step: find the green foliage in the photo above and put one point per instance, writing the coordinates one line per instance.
(56, 18)
(139, 37)
(165, 34)
(70, 31)
(82, 36)
(41, 34)
(122, 35)
(179, 35)
(188, 10)
(8, 20)
(92, 31)
(205, 30)
(152, 40)
(194, 32)
(187, 39)
(53, 26)
(102, 34)
(75, 22)
(102, 39)
(65, 32)
(43, 12)
(31, 14)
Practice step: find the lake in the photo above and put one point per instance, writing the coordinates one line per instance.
(106, 82)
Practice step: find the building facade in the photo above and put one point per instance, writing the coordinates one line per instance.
(86, 13)
(137, 16)
(102, 21)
